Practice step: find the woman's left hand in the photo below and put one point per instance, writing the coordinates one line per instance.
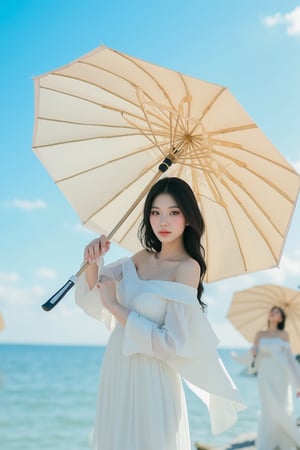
(107, 287)
(108, 291)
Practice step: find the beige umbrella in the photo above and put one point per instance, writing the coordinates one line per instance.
(108, 125)
(2, 326)
(248, 311)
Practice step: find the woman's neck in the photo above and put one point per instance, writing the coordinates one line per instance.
(272, 327)
(173, 251)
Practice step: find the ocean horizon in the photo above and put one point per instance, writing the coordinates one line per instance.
(48, 398)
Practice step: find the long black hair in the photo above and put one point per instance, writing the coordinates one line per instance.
(280, 325)
(186, 201)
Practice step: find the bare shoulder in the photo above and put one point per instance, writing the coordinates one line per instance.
(259, 335)
(284, 335)
(140, 256)
(188, 272)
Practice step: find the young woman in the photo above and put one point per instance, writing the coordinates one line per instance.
(153, 304)
(277, 372)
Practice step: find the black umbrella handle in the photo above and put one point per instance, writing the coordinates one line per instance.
(56, 298)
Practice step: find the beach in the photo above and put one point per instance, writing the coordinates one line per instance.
(48, 399)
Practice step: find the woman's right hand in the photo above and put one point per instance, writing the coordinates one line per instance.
(97, 247)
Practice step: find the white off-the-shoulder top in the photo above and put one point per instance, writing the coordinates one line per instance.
(167, 322)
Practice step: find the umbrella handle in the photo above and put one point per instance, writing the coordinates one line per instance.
(59, 295)
(53, 301)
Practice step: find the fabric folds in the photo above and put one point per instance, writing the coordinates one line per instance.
(182, 337)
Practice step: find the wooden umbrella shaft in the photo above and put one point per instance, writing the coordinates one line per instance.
(125, 216)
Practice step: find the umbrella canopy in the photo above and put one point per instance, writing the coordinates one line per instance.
(2, 326)
(103, 125)
(249, 309)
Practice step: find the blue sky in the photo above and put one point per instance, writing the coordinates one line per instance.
(250, 46)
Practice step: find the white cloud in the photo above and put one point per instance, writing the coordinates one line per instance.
(65, 324)
(228, 335)
(12, 293)
(288, 272)
(15, 295)
(9, 277)
(270, 21)
(45, 272)
(291, 20)
(79, 228)
(27, 205)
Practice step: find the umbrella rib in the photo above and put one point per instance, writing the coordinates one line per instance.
(188, 96)
(247, 126)
(245, 211)
(90, 83)
(145, 170)
(251, 220)
(208, 107)
(151, 136)
(199, 197)
(154, 140)
(134, 62)
(207, 172)
(272, 185)
(161, 122)
(246, 150)
(73, 122)
(130, 228)
(246, 167)
(236, 182)
(111, 161)
(102, 105)
(87, 124)
(163, 90)
(166, 96)
(85, 140)
(200, 201)
(137, 132)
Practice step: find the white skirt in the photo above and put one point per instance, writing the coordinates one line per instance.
(141, 403)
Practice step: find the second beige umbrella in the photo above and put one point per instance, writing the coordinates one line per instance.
(248, 311)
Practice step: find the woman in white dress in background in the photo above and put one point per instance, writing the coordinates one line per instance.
(153, 305)
(277, 372)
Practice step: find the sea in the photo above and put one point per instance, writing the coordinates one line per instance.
(48, 398)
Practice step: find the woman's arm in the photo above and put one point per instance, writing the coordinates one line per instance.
(92, 252)
(88, 294)
(107, 288)
(255, 346)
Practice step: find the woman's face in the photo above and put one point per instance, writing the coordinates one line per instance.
(166, 219)
(275, 315)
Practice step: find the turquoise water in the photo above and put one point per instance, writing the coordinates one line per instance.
(48, 396)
